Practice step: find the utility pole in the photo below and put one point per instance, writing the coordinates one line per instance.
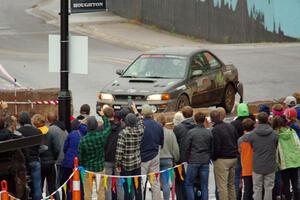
(64, 96)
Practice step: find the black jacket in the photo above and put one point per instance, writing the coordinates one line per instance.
(225, 139)
(31, 153)
(111, 141)
(181, 135)
(198, 145)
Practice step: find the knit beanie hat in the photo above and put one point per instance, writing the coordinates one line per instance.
(131, 120)
(242, 110)
(264, 108)
(121, 114)
(178, 118)
(290, 101)
(277, 110)
(24, 118)
(290, 113)
(92, 123)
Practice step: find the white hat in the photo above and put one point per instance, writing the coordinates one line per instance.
(290, 101)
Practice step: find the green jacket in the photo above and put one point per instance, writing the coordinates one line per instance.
(288, 149)
(91, 148)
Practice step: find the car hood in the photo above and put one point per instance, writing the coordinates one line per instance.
(140, 85)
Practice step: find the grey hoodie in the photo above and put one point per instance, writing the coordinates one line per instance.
(264, 142)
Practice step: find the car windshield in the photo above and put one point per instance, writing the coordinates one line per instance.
(157, 66)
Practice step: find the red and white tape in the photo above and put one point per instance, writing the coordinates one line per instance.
(49, 102)
(54, 102)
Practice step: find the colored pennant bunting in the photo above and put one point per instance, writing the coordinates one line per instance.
(136, 182)
(105, 182)
(151, 178)
(180, 172)
(172, 174)
(122, 181)
(82, 173)
(166, 175)
(90, 179)
(65, 190)
(129, 184)
(173, 186)
(60, 193)
(98, 179)
(156, 176)
(113, 184)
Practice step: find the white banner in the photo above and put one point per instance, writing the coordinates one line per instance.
(78, 54)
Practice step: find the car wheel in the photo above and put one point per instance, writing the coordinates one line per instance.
(228, 98)
(182, 101)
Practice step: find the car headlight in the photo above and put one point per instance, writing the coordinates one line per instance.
(106, 96)
(158, 97)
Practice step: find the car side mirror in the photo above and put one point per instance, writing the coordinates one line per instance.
(119, 71)
(197, 73)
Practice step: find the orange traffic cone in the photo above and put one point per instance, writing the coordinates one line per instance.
(76, 181)
(4, 193)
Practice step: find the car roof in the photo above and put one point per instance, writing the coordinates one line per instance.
(178, 51)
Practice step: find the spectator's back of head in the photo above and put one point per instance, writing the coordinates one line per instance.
(161, 119)
(187, 111)
(242, 110)
(264, 108)
(92, 123)
(215, 116)
(131, 120)
(121, 114)
(290, 101)
(291, 114)
(85, 109)
(52, 116)
(24, 118)
(279, 122)
(178, 118)
(222, 112)
(38, 120)
(109, 112)
(199, 118)
(262, 118)
(277, 110)
(147, 111)
(248, 124)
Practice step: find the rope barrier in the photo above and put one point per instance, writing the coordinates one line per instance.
(142, 175)
(81, 169)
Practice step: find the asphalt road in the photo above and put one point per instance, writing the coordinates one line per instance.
(267, 71)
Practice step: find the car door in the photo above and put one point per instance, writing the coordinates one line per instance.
(216, 77)
(200, 84)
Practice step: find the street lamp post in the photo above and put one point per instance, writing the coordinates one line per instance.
(64, 96)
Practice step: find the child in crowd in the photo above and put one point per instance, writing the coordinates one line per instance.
(246, 152)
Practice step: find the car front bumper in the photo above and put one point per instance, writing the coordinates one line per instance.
(158, 106)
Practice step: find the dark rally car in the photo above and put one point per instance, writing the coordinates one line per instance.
(170, 78)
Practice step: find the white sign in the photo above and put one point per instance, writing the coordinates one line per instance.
(78, 54)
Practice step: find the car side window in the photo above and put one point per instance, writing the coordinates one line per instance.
(199, 62)
(212, 61)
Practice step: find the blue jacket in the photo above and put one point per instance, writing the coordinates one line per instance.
(152, 139)
(71, 146)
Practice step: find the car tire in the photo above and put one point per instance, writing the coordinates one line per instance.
(228, 99)
(182, 101)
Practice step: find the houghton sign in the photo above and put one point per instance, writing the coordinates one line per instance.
(79, 6)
